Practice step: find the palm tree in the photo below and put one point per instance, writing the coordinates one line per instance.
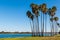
(41, 18)
(44, 10)
(51, 19)
(31, 17)
(35, 9)
(53, 10)
(56, 19)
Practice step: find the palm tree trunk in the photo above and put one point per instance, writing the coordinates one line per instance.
(52, 27)
(38, 31)
(45, 24)
(33, 28)
(41, 26)
(56, 28)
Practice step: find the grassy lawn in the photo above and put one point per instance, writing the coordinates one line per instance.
(33, 38)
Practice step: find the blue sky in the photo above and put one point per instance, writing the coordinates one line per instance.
(13, 13)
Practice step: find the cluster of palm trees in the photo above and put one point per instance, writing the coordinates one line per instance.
(43, 11)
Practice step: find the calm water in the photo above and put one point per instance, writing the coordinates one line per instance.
(18, 35)
(14, 35)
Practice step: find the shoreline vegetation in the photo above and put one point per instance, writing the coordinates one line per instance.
(21, 32)
(56, 37)
(15, 32)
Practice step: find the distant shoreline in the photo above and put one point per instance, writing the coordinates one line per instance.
(20, 32)
(15, 32)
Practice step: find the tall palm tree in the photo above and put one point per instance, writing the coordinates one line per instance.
(51, 24)
(44, 11)
(56, 19)
(40, 6)
(31, 17)
(35, 11)
(53, 10)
